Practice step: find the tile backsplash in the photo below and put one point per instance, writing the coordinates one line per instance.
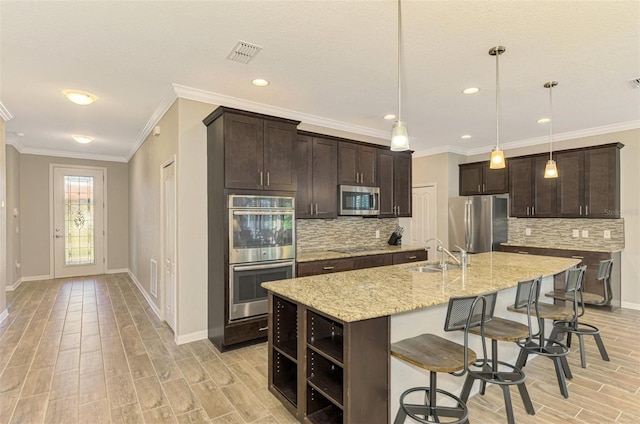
(559, 232)
(324, 234)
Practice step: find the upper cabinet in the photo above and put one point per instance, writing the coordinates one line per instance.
(478, 178)
(259, 151)
(530, 194)
(357, 164)
(589, 182)
(394, 172)
(317, 160)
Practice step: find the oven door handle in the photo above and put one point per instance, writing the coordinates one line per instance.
(272, 212)
(265, 266)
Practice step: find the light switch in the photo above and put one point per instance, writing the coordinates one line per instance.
(527, 231)
(585, 233)
(576, 233)
(607, 234)
(377, 233)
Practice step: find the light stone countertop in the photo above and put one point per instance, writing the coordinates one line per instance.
(323, 255)
(540, 246)
(375, 292)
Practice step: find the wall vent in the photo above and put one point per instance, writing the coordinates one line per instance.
(244, 52)
(154, 278)
(635, 83)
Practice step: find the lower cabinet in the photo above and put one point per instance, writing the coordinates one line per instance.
(305, 269)
(327, 371)
(591, 260)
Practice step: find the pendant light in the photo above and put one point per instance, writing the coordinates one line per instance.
(551, 171)
(399, 134)
(497, 155)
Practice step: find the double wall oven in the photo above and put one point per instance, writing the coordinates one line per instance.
(261, 248)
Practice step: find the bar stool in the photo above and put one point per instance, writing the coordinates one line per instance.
(527, 296)
(574, 293)
(604, 275)
(437, 354)
(499, 329)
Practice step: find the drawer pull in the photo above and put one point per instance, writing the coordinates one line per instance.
(263, 328)
(523, 253)
(412, 257)
(328, 268)
(577, 257)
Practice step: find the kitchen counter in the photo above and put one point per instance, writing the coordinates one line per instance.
(370, 293)
(322, 255)
(541, 246)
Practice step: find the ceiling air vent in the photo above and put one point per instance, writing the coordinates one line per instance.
(635, 83)
(243, 52)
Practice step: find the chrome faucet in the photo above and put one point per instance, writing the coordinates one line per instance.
(443, 251)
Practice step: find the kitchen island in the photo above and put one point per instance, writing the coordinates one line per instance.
(330, 335)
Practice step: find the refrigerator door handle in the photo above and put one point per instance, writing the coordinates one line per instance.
(467, 224)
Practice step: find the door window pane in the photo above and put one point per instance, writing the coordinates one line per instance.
(79, 220)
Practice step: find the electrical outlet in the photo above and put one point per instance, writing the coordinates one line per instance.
(527, 231)
(377, 233)
(576, 233)
(585, 233)
(607, 234)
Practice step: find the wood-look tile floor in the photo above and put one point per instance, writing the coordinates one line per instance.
(90, 350)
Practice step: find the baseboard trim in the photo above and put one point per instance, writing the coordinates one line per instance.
(4, 315)
(14, 286)
(192, 337)
(154, 308)
(630, 305)
(21, 280)
(118, 271)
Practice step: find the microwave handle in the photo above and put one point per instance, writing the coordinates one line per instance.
(265, 266)
(257, 212)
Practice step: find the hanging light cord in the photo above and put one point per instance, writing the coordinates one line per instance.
(399, 59)
(497, 99)
(551, 121)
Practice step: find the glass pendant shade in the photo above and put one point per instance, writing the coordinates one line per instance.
(399, 137)
(497, 159)
(551, 171)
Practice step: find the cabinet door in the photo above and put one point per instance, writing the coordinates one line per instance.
(495, 181)
(279, 154)
(386, 180)
(243, 151)
(470, 179)
(304, 200)
(348, 163)
(520, 187)
(402, 183)
(368, 166)
(602, 183)
(570, 184)
(544, 190)
(324, 178)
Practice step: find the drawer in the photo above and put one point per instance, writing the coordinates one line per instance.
(409, 256)
(361, 262)
(245, 331)
(305, 269)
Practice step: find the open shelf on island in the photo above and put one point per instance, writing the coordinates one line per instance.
(285, 327)
(325, 376)
(320, 410)
(285, 377)
(326, 335)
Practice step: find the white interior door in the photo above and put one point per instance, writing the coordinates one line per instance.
(168, 174)
(78, 221)
(424, 216)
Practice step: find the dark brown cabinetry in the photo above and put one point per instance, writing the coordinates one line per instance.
(394, 176)
(530, 194)
(591, 260)
(317, 160)
(478, 178)
(589, 182)
(259, 152)
(357, 164)
(343, 375)
(305, 269)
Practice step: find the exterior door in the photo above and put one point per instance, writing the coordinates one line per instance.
(424, 217)
(78, 221)
(169, 187)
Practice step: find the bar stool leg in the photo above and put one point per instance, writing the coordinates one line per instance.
(507, 404)
(560, 375)
(583, 355)
(526, 399)
(603, 351)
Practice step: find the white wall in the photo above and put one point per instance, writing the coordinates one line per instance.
(3, 225)
(13, 222)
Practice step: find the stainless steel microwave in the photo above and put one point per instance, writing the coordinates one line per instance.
(357, 200)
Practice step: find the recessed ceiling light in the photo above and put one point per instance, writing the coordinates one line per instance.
(470, 90)
(389, 117)
(83, 139)
(466, 136)
(543, 120)
(259, 82)
(80, 97)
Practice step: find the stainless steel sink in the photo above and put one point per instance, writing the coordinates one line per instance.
(433, 268)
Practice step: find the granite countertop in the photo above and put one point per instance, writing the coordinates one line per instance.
(541, 246)
(322, 255)
(375, 292)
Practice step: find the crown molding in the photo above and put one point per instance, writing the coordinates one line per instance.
(15, 144)
(167, 100)
(4, 112)
(441, 149)
(190, 93)
(67, 154)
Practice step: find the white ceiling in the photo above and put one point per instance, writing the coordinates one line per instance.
(328, 61)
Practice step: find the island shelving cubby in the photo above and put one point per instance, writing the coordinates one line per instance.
(325, 370)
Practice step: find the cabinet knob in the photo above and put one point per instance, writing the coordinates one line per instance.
(261, 181)
(267, 178)
(586, 210)
(580, 210)
(316, 209)
(328, 268)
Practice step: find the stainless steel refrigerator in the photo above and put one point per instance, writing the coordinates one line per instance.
(478, 223)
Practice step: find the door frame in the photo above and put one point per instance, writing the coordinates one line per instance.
(163, 285)
(52, 166)
(435, 211)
